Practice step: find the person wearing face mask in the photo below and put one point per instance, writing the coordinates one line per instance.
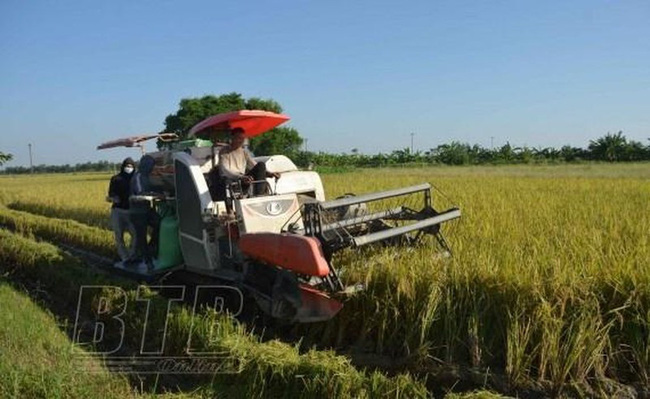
(118, 195)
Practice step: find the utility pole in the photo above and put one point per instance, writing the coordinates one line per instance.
(412, 134)
(492, 142)
(31, 163)
(306, 145)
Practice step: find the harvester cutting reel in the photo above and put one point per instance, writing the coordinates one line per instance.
(387, 217)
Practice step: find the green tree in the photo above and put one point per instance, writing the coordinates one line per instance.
(4, 158)
(611, 147)
(454, 153)
(635, 151)
(525, 154)
(264, 105)
(193, 110)
(281, 140)
(570, 154)
(506, 153)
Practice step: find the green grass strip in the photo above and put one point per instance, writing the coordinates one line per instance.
(270, 369)
(36, 358)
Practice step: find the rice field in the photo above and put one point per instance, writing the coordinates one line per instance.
(548, 288)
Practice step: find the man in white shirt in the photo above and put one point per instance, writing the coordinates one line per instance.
(236, 164)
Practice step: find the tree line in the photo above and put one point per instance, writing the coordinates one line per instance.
(609, 148)
(100, 166)
(286, 140)
(613, 147)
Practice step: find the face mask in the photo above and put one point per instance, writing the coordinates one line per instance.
(128, 170)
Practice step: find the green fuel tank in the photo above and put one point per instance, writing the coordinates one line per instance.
(169, 247)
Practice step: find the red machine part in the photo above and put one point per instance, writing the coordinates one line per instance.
(254, 122)
(292, 252)
(316, 305)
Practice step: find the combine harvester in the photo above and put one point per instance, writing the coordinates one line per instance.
(276, 248)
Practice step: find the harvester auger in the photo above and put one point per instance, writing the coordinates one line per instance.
(276, 248)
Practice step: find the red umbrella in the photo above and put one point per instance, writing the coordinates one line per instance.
(253, 122)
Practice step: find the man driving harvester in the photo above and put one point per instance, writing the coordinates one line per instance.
(237, 165)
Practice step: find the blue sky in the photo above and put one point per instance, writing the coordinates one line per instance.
(361, 74)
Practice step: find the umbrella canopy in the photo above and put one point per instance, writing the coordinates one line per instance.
(253, 122)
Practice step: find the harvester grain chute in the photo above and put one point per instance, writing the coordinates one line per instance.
(276, 248)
